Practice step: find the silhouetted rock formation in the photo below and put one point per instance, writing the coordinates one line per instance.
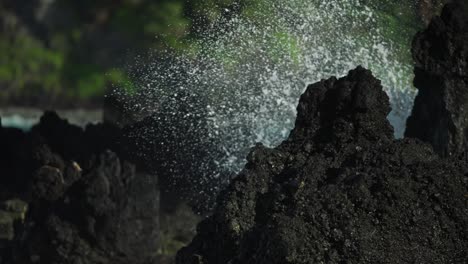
(69, 197)
(440, 113)
(340, 189)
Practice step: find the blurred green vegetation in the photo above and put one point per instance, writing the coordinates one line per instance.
(399, 22)
(65, 53)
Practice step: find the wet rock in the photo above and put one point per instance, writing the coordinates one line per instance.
(340, 189)
(440, 113)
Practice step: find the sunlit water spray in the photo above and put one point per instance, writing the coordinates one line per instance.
(244, 81)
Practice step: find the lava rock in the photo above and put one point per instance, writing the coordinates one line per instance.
(61, 136)
(440, 113)
(340, 189)
(84, 202)
(74, 142)
(48, 184)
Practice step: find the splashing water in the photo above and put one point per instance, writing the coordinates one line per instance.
(245, 79)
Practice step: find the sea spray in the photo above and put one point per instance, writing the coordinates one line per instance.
(240, 83)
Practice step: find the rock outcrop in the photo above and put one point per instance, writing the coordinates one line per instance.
(340, 189)
(71, 196)
(440, 113)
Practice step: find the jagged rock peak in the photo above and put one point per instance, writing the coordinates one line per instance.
(353, 106)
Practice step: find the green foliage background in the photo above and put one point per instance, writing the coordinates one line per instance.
(74, 53)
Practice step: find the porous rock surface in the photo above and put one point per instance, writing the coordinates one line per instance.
(440, 113)
(67, 195)
(340, 189)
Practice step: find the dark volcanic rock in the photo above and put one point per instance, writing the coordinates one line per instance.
(440, 113)
(340, 190)
(48, 183)
(83, 201)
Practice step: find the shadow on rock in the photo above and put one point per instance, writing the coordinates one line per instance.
(69, 196)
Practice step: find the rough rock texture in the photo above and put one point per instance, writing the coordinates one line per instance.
(340, 189)
(70, 197)
(440, 113)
